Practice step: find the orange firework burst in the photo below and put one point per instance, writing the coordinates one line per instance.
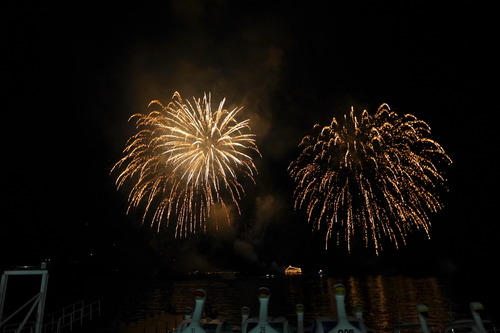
(376, 174)
(185, 159)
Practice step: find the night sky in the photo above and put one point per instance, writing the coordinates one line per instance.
(73, 74)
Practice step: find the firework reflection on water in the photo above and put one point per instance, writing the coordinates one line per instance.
(386, 300)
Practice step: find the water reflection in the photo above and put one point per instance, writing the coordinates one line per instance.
(386, 300)
(392, 300)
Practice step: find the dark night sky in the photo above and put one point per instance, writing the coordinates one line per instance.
(73, 75)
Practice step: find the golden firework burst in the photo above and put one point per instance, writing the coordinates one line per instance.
(185, 160)
(374, 174)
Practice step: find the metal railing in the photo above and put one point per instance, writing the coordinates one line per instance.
(57, 321)
(51, 319)
(78, 315)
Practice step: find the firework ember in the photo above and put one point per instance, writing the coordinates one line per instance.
(184, 161)
(376, 175)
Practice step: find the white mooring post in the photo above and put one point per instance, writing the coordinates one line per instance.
(38, 300)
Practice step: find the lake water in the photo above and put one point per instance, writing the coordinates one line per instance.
(157, 305)
(387, 300)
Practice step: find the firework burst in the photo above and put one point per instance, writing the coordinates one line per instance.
(375, 174)
(185, 160)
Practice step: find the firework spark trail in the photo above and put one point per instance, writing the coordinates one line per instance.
(185, 160)
(377, 174)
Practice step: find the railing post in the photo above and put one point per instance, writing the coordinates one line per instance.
(41, 303)
(3, 289)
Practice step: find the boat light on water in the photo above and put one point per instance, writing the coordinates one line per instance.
(290, 270)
